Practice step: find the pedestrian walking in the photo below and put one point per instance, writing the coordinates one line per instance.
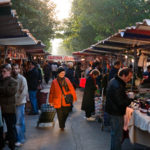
(88, 103)
(8, 89)
(116, 103)
(33, 82)
(61, 87)
(21, 97)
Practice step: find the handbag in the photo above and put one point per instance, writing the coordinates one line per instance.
(68, 97)
(82, 82)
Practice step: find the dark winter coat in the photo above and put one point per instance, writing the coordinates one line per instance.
(8, 90)
(33, 79)
(47, 70)
(78, 72)
(70, 75)
(116, 97)
(88, 103)
(105, 83)
(113, 73)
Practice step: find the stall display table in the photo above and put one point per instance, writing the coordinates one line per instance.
(139, 128)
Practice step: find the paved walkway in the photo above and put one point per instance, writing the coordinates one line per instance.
(78, 135)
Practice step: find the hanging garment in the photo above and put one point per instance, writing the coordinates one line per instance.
(142, 61)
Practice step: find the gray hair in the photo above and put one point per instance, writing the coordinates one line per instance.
(70, 64)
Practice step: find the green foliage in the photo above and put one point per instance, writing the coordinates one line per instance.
(94, 20)
(37, 16)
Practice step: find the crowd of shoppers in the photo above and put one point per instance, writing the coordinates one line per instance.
(19, 83)
(14, 90)
(113, 84)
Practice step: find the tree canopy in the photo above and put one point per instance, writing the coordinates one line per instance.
(38, 16)
(94, 20)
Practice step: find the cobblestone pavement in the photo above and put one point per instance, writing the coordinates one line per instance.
(78, 135)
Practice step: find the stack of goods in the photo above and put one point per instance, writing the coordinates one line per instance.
(145, 106)
(142, 103)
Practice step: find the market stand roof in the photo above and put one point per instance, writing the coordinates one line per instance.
(12, 32)
(132, 37)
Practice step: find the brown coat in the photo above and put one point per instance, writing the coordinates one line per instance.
(8, 89)
(56, 97)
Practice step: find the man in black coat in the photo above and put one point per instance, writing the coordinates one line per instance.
(47, 72)
(33, 81)
(115, 69)
(116, 103)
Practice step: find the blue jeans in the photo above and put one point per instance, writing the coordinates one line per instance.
(20, 123)
(33, 100)
(116, 132)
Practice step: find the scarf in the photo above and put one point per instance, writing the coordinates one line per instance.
(63, 83)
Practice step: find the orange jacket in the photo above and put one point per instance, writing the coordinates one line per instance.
(56, 97)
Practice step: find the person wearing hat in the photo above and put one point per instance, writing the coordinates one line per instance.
(60, 87)
(33, 82)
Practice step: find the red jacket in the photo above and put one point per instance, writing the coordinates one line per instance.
(56, 97)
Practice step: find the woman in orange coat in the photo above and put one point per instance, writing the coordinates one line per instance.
(56, 97)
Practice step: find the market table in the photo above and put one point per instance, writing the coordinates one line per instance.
(139, 128)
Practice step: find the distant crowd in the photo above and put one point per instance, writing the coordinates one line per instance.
(21, 83)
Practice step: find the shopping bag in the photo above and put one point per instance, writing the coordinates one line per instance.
(82, 82)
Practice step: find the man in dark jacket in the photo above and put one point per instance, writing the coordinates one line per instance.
(114, 70)
(33, 81)
(116, 103)
(8, 89)
(47, 72)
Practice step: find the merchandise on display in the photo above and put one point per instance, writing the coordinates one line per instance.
(141, 102)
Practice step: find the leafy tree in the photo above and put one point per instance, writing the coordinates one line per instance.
(94, 20)
(38, 16)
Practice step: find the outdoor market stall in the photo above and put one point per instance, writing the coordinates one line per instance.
(13, 38)
(137, 118)
(134, 43)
